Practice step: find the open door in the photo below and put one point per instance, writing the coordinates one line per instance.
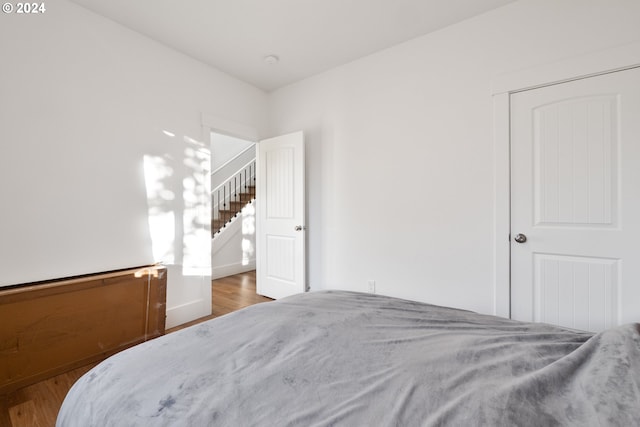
(280, 237)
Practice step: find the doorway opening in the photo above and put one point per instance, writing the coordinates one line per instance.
(233, 243)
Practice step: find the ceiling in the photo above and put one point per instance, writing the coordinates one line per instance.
(308, 36)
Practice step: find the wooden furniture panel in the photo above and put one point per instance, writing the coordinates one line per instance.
(49, 328)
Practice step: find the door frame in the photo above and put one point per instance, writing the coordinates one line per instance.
(602, 62)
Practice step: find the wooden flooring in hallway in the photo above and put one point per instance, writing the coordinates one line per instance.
(230, 294)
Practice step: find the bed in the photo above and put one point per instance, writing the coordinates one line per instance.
(337, 358)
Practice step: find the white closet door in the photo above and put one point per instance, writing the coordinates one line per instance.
(575, 197)
(280, 196)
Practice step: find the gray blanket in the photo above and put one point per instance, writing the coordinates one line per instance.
(349, 359)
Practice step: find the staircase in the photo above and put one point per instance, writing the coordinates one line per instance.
(232, 196)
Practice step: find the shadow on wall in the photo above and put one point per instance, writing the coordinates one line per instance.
(177, 186)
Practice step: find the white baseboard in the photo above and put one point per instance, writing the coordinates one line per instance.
(231, 269)
(186, 313)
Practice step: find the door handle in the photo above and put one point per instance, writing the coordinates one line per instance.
(520, 238)
(299, 228)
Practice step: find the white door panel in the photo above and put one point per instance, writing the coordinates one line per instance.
(280, 235)
(575, 195)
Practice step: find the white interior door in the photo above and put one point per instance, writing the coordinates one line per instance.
(280, 237)
(575, 197)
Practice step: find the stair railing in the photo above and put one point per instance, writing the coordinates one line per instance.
(231, 196)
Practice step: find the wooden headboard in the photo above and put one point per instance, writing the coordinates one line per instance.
(52, 327)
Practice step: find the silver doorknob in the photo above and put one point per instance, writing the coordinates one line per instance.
(520, 238)
(298, 228)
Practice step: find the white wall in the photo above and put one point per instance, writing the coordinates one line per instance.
(224, 148)
(84, 101)
(421, 113)
(89, 179)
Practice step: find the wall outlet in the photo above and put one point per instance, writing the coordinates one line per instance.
(372, 286)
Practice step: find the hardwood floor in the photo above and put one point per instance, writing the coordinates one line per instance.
(38, 405)
(230, 294)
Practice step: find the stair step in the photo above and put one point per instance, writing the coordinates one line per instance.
(217, 225)
(244, 196)
(235, 208)
(237, 205)
(232, 209)
(249, 190)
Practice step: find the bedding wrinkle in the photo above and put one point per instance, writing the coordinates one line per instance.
(338, 358)
(587, 378)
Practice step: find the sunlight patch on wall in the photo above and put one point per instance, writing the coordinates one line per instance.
(196, 218)
(157, 175)
(179, 205)
(249, 230)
